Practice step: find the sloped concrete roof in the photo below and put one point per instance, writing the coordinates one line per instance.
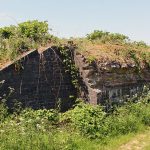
(7, 64)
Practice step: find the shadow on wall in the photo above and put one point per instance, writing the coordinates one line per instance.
(39, 81)
(120, 94)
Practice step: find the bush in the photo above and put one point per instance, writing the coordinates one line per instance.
(141, 111)
(7, 32)
(20, 44)
(93, 122)
(121, 122)
(34, 30)
(107, 37)
(84, 119)
(15, 40)
(87, 118)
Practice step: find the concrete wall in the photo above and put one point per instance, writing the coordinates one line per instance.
(38, 80)
(110, 81)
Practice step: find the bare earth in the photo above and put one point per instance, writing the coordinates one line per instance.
(140, 142)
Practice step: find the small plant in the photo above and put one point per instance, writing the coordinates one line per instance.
(3, 106)
(3, 110)
(91, 59)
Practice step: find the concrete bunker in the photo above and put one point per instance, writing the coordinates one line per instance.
(39, 80)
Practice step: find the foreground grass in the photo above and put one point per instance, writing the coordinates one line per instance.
(85, 127)
(64, 140)
(140, 141)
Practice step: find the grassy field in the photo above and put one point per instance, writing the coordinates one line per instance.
(85, 127)
(140, 141)
(65, 140)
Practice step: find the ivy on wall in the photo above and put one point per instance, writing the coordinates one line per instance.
(67, 53)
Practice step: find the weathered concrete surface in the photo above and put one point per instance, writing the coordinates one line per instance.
(110, 81)
(38, 80)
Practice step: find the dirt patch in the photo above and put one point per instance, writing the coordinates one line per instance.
(137, 143)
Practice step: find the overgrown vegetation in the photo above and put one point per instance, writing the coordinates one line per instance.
(105, 37)
(109, 47)
(83, 127)
(68, 60)
(96, 46)
(15, 40)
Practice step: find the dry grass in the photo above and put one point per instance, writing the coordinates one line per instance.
(103, 52)
(7, 60)
(113, 52)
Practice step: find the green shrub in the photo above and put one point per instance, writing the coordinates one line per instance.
(20, 44)
(37, 116)
(122, 122)
(107, 37)
(44, 127)
(34, 30)
(93, 122)
(141, 111)
(15, 40)
(7, 32)
(86, 118)
(141, 44)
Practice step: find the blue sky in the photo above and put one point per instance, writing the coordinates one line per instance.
(78, 17)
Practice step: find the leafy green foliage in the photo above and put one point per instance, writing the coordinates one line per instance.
(7, 32)
(91, 59)
(141, 44)
(87, 118)
(15, 40)
(107, 36)
(93, 122)
(69, 64)
(34, 30)
(38, 116)
(50, 129)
